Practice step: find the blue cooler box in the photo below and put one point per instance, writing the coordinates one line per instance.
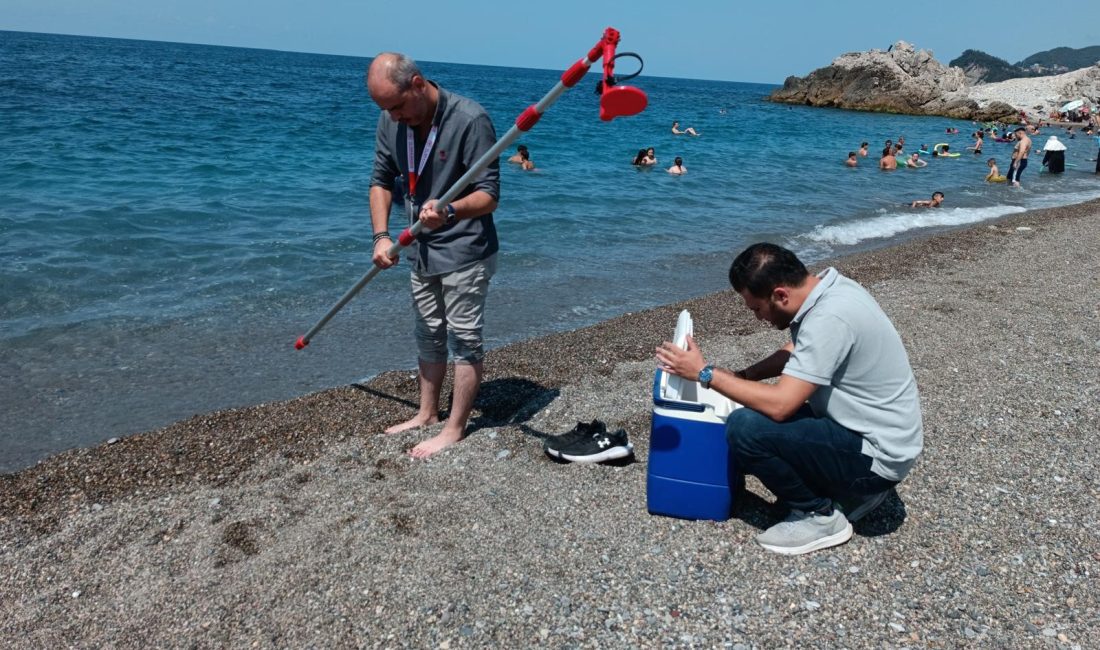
(690, 472)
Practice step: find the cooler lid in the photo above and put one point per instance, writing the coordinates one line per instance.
(673, 387)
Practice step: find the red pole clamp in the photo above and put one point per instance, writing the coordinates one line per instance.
(527, 118)
(406, 237)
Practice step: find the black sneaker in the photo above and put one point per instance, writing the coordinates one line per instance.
(553, 446)
(598, 448)
(858, 507)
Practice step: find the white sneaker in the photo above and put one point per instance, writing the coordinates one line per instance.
(803, 532)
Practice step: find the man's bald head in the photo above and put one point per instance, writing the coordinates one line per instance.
(396, 84)
(392, 68)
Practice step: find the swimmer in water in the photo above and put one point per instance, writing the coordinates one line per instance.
(688, 131)
(935, 202)
(994, 175)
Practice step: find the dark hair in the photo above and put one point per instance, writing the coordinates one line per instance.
(762, 267)
(940, 193)
(991, 160)
(1020, 129)
(679, 161)
(851, 153)
(640, 157)
(862, 145)
(522, 148)
(886, 152)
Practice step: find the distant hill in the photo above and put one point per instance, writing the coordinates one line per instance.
(985, 68)
(1062, 59)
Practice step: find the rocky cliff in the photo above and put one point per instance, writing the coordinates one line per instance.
(901, 79)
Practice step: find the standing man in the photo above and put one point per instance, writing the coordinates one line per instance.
(1019, 156)
(427, 138)
(842, 426)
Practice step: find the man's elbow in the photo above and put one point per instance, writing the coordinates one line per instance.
(784, 410)
(782, 413)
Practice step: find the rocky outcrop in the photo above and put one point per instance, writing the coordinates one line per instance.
(899, 80)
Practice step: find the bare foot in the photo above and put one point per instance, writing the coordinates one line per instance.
(414, 423)
(438, 443)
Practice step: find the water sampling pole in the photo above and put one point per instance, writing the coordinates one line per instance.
(616, 100)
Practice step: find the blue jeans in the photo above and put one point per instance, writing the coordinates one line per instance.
(805, 461)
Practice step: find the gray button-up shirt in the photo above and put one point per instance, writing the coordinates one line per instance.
(464, 134)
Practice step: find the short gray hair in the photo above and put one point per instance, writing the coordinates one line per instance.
(401, 71)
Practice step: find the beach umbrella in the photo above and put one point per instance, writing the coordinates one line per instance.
(1069, 106)
(616, 100)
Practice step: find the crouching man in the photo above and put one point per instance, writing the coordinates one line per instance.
(842, 426)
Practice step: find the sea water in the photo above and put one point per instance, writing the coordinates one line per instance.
(173, 217)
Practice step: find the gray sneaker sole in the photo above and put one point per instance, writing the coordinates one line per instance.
(836, 539)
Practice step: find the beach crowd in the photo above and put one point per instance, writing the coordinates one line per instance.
(894, 155)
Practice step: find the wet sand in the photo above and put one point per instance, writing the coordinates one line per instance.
(296, 524)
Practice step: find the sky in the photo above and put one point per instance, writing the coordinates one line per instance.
(761, 42)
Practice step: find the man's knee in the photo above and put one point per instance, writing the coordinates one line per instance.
(744, 428)
(431, 345)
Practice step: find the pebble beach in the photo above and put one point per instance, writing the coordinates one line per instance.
(297, 524)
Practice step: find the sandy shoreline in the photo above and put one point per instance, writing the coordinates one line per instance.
(291, 523)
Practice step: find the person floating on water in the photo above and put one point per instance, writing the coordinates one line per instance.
(934, 202)
(650, 156)
(678, 167)
(851, 162)
(914, 161)
(688, 131)
(888, 161)
(522, 158)
(842, 425)
(994, 175)
(521, 153)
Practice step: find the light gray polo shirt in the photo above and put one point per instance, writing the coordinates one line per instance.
(464, 134)
(845, 343)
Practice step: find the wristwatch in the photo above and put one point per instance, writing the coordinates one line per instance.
(705, 375)
(451, 216)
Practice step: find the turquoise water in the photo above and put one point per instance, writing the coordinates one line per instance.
(173, 216)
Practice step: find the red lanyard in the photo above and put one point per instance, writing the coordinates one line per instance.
(410, 148)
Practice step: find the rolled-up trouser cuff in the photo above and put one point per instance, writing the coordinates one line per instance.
(450, 312)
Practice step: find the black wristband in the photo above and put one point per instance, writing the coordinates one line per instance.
(381, 235)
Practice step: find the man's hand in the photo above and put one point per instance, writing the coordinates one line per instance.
(680, 362)
(381, 256)
(431, 216)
